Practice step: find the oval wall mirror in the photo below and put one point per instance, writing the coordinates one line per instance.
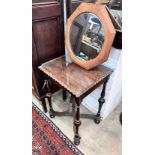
(89, 35)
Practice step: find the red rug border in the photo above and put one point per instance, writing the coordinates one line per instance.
(57, 130)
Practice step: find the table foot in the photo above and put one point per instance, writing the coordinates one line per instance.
(97, 120)
(77, 140)
(52, 114)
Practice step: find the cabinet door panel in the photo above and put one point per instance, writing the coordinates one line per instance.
(47, 39)
(46, 11)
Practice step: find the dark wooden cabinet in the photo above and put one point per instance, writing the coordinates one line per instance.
(47, 39)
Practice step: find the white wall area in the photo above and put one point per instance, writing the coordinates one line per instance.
(113, 95)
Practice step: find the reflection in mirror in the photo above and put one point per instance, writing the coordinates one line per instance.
(86, 36)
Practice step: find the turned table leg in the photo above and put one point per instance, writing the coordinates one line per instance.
(43, 103)
(51, 112)
(47, 87)
(77, 121)
(64, 94)
(101, 102)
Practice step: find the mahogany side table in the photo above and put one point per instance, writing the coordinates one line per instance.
(79, 83)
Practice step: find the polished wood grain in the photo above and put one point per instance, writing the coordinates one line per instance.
(101, 12)
(72, 77)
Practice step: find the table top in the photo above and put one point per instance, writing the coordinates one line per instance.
(72, 77)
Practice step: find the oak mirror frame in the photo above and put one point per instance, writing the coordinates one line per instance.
(109, 34)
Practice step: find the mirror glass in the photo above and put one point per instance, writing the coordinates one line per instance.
(86, 36)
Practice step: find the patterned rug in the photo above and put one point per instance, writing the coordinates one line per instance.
(47, 138)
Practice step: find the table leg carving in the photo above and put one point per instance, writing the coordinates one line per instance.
(43, 103)
(77, 122)
(101, 102)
